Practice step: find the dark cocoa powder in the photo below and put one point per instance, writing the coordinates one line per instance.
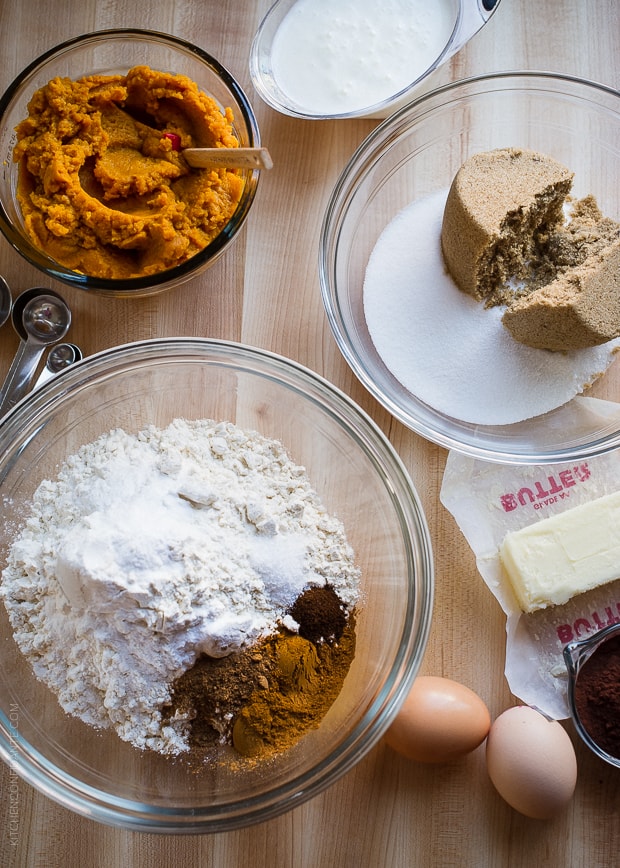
(597, 696)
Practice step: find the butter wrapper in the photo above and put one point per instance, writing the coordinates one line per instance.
(488, 501)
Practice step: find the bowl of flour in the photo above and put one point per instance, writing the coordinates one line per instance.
(216, 585)
(436, 358)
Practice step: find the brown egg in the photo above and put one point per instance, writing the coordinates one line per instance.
(440, 720)
(531, 762)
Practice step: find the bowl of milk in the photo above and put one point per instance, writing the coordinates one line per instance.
(326, 59)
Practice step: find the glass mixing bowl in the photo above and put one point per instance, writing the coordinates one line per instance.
(416, 152)
(112, 52)
(467, 17)
(360, 479)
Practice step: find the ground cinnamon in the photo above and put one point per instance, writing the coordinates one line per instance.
(597, 696)
(306, 681)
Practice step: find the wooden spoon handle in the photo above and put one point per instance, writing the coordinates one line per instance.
(228, 158)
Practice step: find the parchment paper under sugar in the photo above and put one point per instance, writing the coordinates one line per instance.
(487, 501)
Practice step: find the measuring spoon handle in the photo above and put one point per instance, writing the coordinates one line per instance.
(20, 374)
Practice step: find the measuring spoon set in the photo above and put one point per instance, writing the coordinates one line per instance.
(42, 319)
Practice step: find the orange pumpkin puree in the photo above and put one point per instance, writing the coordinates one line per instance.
(103, 190)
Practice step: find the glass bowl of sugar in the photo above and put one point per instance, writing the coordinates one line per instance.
(217, 585)
(326, 59)
(440, 361)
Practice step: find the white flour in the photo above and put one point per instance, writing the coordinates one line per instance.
(148, 550)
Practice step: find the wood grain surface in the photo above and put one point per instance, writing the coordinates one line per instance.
(265, 292)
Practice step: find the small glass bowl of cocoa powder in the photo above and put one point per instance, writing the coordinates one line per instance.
(594, 691)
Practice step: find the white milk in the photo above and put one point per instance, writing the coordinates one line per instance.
(339, 56)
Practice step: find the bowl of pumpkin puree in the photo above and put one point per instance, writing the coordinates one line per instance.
(95, 190)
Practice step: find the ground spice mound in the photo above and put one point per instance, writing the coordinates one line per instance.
(306, 680)
(320, 614)
(597, 696)
(264, 699)
(210, 694)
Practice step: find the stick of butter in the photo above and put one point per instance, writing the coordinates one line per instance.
(564, 555)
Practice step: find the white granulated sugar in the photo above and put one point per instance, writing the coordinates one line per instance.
(445, 348)
(148, 550)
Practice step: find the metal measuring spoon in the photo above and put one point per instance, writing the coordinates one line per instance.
(41, 318)
(59, 357)
(6, 301)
